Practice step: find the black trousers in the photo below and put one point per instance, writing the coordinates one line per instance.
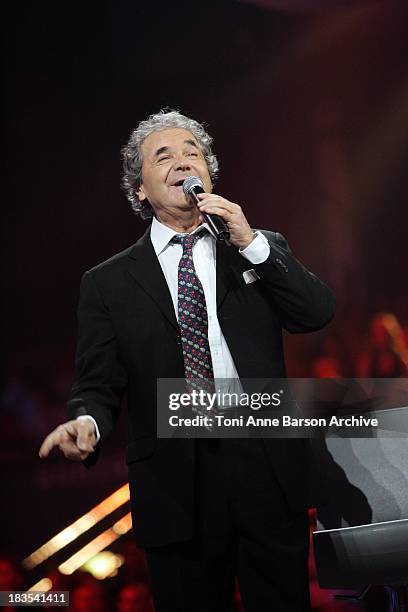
(244, 530)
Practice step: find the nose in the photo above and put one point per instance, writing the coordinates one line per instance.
(182, 163)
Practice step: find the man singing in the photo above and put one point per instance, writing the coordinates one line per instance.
(208, 510)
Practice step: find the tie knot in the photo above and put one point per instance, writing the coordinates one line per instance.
(187, 241)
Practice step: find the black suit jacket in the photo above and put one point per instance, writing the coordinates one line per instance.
(129, 337)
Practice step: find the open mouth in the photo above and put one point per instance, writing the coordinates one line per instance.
(178, 183)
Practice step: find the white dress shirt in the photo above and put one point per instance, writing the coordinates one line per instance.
(204, 257)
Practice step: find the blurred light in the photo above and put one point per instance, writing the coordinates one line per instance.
(123, 525)
(96, 545)
(85, 522)
(104, 565)
(43, 585)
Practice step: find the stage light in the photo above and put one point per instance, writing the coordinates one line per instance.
(104, 565)
(96, 545)
(73, 531)
(44, 584)
(123, 525)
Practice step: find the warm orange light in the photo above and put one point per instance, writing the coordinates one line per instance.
(123, 525)
(96, 545)
(85, 522)
(42, 585)
(104, 565)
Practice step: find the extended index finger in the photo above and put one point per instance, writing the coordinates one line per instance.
(51, 441)
(57, 436)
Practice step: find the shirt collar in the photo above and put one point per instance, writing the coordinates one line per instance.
(161, 235)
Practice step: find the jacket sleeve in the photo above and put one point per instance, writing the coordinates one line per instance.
(100, 376)
(304, 302)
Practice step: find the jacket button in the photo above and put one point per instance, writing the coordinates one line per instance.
(178, 340)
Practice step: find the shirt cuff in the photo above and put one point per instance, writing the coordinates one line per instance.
(88, 416)
(258, 250)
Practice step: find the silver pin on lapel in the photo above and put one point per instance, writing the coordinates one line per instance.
(250, 276)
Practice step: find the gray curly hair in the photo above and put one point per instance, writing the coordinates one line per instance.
(132, 153)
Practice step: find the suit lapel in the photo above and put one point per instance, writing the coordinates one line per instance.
(227, 274)
(146, 270)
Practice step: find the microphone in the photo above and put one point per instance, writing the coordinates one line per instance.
(192, 186)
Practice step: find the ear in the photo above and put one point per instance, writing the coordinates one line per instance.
(141, 193)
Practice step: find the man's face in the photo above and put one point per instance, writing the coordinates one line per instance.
(169, 156)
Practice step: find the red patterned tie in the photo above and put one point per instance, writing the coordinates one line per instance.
(192, 316)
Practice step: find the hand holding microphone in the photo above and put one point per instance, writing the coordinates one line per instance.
(193, 187)
(225, 219)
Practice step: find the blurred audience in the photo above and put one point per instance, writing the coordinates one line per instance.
(89, 595)
(134, 569)
(326, 367)
(386, 352)
(11, 578)
(135, 598)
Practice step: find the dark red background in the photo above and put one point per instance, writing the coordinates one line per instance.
(309, 111)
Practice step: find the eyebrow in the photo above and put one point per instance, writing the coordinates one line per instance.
(166, 148)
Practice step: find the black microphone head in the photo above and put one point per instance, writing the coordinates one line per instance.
(190, 183)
